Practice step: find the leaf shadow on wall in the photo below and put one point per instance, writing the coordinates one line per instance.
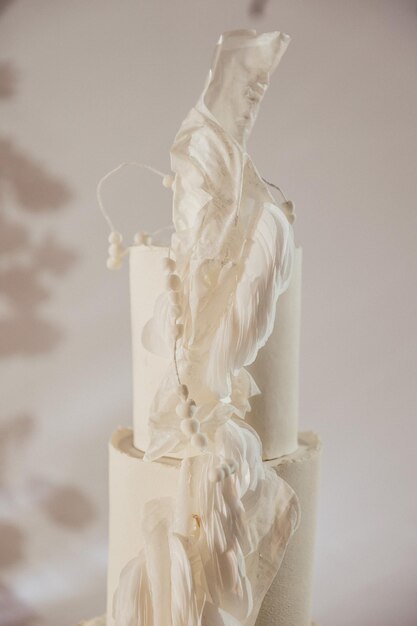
(12, 541)
(7, 79)
(26, 265)
(15, 432)
(13, 611)
(32, 262)
(62, 506)
(4, 4)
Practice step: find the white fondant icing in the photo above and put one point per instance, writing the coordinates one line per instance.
(146, 284)
(276, 371)
(289, 599)
(134, 482)
(275, 412)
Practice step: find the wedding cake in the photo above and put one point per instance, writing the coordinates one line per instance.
(213, 493)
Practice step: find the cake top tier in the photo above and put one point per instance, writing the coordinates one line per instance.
(230, 256)
(274, 412)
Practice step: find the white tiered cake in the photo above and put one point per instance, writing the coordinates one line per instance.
(260, 589)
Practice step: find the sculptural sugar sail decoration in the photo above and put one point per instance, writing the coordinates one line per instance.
(213, 550)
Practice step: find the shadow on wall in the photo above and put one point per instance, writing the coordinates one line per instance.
(15, 432)
(59, 505)
(65, 506)
(26, 266)
(12, 541)
(29, 268)
(4, 4)
(13, 612)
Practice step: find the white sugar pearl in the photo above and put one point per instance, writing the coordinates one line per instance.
(140, 238)
(186, 409)
(225, 469)
(182, 391)
(179, 331)
(199, 440)
(114, 263)
(182, 410)
(114, 249)
(174, 297)
(168, 265)
(288, 206)
(190, 427)
(232, 465)
(168, 181)
(148, 240)
(215, 475)
(173, 282)
(175, 311)
(192, 405)
(115, 237)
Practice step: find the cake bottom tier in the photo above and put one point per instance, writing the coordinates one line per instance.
(134, 482)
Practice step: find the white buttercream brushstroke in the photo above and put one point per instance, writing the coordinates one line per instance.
(213, 551)
(132, 604)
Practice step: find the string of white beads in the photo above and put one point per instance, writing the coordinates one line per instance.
(182, 391)
(189, 425)
(168, 265)
(199, 440)
(142, 239)
(178, 331)
(288, 208)
(174, 298)
(173, 284)
(115, 237)
(114, 261)
(116, 250)
(168, 181)
(186, 409)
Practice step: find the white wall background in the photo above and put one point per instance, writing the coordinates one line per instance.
(89, 83)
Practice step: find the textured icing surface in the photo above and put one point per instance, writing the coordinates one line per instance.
(129, 474)
(274, 413)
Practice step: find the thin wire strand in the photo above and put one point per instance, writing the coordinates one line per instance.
(284, 199)
(99, 194)
(176, 362)
(161, 230)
